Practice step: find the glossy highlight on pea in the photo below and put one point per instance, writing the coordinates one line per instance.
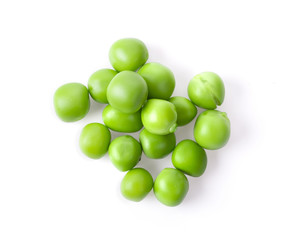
(127, 92)
(125, 152)
(159, 117)
(128, 54)
(171, 187)
(212, 129)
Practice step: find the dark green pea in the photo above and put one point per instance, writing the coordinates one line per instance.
(186, 110)
(190, 158)
(156, 146)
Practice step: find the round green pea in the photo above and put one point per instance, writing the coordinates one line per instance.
(125, 152)
(127, 92)
(121, 122)
(186, 110)
(160, 80)
(206, 90)
(171, 187)
(71, 102)
(156, 146)
(190, 158)
(159, 117)
(95, 139)
(98, 84)
(128, 54)
(136, 184)
(212, 129)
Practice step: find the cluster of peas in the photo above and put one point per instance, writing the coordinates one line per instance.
(139, 95)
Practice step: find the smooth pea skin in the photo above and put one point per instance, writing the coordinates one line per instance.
(189, 158)
(206, 90)
(171, 187)
(136, 184)
(159, 117)
(95, 139)
(128, 54)
(125, 152)
(98, 84)
(212, 129)
(186, 110)
(160, 80)
(127, 92)
(121, 122)
(71, 102)
(156, 146)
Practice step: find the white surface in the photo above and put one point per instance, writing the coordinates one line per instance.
(49, 190)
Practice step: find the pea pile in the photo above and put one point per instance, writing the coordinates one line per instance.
(138, 95)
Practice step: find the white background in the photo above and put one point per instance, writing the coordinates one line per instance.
(49, 190)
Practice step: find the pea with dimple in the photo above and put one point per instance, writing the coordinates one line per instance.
(125, 152)
(206, 90)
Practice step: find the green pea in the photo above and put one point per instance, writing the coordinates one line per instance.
(128, 54)
(136, 184)
(125, 152)
(160, 80)
(156, 146)
(95, 139)
(159, 117)
(121, 122)
(206, 90)
(71, 102)
(186, 110)
(212, 129)
(190, 158)
(171, 187)
(98, 83)
(127, 92)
